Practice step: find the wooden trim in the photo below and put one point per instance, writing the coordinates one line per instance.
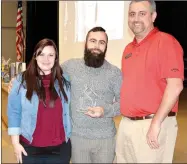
(5, 123)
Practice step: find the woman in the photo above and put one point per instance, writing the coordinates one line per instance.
(38, 109)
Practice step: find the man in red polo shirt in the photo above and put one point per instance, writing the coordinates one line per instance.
(153, 73)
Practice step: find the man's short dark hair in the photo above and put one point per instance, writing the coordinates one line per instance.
(97, 29)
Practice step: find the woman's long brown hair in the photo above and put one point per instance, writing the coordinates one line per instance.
(32, 78)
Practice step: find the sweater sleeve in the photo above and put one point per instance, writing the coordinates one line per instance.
(66, 66)
(112, 110)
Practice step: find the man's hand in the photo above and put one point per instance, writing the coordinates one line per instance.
(18, 151)
(152, 135)
(10, 85)
(170, 97)
(95, 112)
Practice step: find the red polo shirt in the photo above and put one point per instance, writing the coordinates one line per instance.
(145, 67)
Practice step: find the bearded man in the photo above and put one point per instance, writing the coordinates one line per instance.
(95, 95)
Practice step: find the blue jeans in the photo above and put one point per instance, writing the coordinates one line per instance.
(48, 155)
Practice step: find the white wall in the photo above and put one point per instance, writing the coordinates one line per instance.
(69, 49)
(8, 27)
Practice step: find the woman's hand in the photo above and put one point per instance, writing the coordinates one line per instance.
(18, 150)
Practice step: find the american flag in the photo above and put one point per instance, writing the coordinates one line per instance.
(20, 40)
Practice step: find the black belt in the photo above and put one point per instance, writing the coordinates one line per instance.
(149, 116)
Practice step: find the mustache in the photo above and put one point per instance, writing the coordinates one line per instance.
(96, 49)
(140, 22)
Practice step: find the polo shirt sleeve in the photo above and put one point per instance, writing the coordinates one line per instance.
(171, 58)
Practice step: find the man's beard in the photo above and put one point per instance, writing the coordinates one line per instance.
(93, 59)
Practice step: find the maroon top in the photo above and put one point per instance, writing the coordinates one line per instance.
(49, 126)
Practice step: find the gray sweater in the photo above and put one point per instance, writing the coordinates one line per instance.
(93, 87)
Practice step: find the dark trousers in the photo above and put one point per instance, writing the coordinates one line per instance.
(47, 155)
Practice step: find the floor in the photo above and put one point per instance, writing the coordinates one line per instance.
(180, 155)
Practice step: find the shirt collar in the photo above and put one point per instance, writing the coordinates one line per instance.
(150, 34)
